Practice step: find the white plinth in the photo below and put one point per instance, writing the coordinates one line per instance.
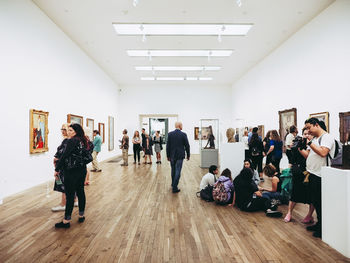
(232, 157)
(336, 209)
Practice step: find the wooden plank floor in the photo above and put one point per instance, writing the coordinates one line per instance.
(132, 216)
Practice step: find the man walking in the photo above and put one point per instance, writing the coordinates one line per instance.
(97, 148)
(175, 150)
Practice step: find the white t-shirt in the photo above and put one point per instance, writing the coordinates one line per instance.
(207, 179)
(289, 140)
(245, 141)
(314, 162)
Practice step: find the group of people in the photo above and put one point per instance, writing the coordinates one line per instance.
(71, 174)
(142, 143)
(306, 155)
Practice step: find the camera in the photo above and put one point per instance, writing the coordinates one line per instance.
(299, 142)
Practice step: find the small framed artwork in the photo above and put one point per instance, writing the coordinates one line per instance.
(344, 126)
(71, 118)
(101, 129)
(38, 131)
(90, 125)
(110, 133)
(322, 116)
(196, 133)
(287, 118)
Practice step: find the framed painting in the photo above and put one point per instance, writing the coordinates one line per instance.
(344, 126)
(205, 133)
(261, 131)
(90, 124)
(71, 118)
(196, 133)
(38, 131)
(110, 133)
(101, 129)
(287, 118)
(322, 116)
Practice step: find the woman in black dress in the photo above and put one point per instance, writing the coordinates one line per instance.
(256, 152)
(300, 190)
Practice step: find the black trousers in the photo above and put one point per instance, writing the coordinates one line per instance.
(74, 183)
(289, 156)
(315, 188)
(258, 204)
(136, 148)
(257, 163)
(276, 162)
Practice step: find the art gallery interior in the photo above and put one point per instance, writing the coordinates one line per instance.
(65, 57)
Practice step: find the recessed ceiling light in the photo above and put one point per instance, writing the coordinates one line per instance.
(179, 53)
(182, 29)
(177, 68)
(176, 78)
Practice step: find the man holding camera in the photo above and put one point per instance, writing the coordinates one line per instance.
(320, 148)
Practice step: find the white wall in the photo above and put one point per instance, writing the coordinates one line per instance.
(310, 71)
(41, 68)
(191, 103)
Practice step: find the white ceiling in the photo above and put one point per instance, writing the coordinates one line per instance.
(89, 24)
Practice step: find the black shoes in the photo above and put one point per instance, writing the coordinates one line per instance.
(314, 227)
(176, 190)
(62, 225)
(81, 219)
(271, 213)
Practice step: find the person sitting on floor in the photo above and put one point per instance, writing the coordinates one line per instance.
(275, 191)
(223, 193)
(209, 178)
(248, 164)
(248, 197)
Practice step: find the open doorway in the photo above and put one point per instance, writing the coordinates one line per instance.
(158, 122)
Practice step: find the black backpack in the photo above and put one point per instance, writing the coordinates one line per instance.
(207, 193)
(255, 151)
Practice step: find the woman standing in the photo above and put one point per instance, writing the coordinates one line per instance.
(136, 140)
(266, 143)
(276, 150)
(73, 163)
(246, 145)
(256, 151)
(157, 140)
(148, 149)
(59, 182)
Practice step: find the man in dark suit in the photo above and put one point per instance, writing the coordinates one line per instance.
(175, 150)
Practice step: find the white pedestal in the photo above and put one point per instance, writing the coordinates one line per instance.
(336, 209)
(209, 157)
(232, 157)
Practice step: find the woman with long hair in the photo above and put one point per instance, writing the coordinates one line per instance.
(158, 147)
(136, 140)
(59, 182)
(256, 152)
(73, 163)
(275, 150)
(266, 143)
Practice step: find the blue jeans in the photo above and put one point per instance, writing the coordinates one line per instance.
(270, 195)
(176, 166)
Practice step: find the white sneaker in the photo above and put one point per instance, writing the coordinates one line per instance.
(76, 204)
(58, 208)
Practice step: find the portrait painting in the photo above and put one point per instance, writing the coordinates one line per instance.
(71, 118)
(110, 133)
(287, 118)
(196, 133)
(38, 131)
(90, 125)
(205, 133)
(322, 116)
(101, 129)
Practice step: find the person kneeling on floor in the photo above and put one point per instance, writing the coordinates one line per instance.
(248, 197)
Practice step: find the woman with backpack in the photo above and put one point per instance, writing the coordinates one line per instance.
(223, 192)
(256, 152)
(248, 196)
(73, 161)
(275, 150)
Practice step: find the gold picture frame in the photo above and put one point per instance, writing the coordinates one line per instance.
(322, 116)
(196, 133)
(71, 118)
(101, 129)
(38, 131)
(287, 118)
